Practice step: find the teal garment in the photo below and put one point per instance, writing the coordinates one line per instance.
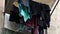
(25, 15)
(21, 27)
(23, 11)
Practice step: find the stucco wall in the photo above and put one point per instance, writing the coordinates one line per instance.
(55, 21)
(1, 10)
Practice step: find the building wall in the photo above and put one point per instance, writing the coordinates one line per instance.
(1, 10)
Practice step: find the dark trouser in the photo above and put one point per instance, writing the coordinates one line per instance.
(41, 30)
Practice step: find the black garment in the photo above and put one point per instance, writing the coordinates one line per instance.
(40, 10)
(34, 8)
(14, 15)
(41, 30)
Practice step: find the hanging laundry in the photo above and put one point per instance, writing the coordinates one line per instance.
(32, 15)
(14, 17)
(26, 3)
(42, 10)
(14, 14)
(23, 11)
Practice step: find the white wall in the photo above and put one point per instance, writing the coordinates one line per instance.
(55, 21)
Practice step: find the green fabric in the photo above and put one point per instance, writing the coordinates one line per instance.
(25, 15)
(21, 27)
(23, 11)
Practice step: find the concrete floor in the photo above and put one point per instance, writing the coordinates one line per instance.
(55, 20)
